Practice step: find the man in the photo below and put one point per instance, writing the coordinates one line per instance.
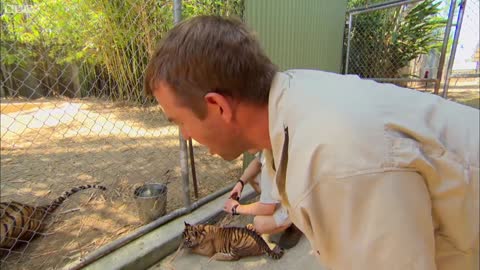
(376, 176)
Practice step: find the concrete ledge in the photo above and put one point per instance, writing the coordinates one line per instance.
(159, 243)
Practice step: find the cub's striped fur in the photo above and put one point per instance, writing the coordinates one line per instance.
(226, 243)
(19, 223)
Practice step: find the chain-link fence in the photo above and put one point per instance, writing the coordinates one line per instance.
(411, 43)
(463, 70)
(73, 113)
(395, 41)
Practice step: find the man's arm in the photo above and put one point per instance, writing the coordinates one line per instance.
(252, 170)
(256, 209)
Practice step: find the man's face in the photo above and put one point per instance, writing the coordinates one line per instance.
(221, 136)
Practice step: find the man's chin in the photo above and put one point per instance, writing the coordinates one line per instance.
(228, 157)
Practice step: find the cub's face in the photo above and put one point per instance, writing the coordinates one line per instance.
(192, 235)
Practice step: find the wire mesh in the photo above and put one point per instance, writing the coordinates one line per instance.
(398, 43)
(73, 113)
(463, 76)
(467, 56)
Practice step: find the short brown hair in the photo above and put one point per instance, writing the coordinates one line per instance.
(211, 54)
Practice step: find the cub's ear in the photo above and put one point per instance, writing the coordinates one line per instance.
(186, 224)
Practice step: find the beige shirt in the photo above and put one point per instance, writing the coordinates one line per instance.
(379, 177)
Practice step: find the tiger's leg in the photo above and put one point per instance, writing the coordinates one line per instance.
(206, 249)
(224, 257)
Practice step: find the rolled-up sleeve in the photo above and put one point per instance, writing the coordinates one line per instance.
(370, 221)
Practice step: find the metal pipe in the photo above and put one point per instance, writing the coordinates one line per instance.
(108, 248)
(381, 6)
(184, 170)
(192, 166)
(443, 53)
(451, 59)
(349, 37)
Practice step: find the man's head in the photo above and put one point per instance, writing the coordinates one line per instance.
(203, 70)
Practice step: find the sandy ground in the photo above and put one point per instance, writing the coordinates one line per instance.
(51, 145)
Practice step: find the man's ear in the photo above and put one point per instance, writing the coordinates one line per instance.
(221, 105)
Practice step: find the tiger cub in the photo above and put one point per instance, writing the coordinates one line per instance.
(20, 223)
(226, 243)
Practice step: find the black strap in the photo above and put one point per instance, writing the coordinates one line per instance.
(241, 182)
(281, 177)
(234, 210)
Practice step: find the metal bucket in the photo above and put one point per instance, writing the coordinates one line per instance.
(151, 200)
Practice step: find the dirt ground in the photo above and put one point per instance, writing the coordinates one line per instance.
(462, 90)
(51, 145)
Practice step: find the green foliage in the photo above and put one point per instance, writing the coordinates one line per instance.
(47, 29)
(131, 29)
(109, 40)
(351, 4)
(218, 7)
(385, 41)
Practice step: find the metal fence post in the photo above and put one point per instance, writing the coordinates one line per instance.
(177, 17)
(347, 55)
(192, 165)
(443, 53)
(184, 170)
(451, 59)
(177, 11)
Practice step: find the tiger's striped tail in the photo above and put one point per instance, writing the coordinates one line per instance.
(58, 201)
(275, 253)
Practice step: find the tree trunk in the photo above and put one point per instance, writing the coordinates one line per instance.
(3, 89)
(75, 80)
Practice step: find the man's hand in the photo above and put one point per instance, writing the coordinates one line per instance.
(229, 204)
(236, 189)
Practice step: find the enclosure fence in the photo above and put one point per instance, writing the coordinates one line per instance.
(73, 113)
(411, 43)
(465, 52)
